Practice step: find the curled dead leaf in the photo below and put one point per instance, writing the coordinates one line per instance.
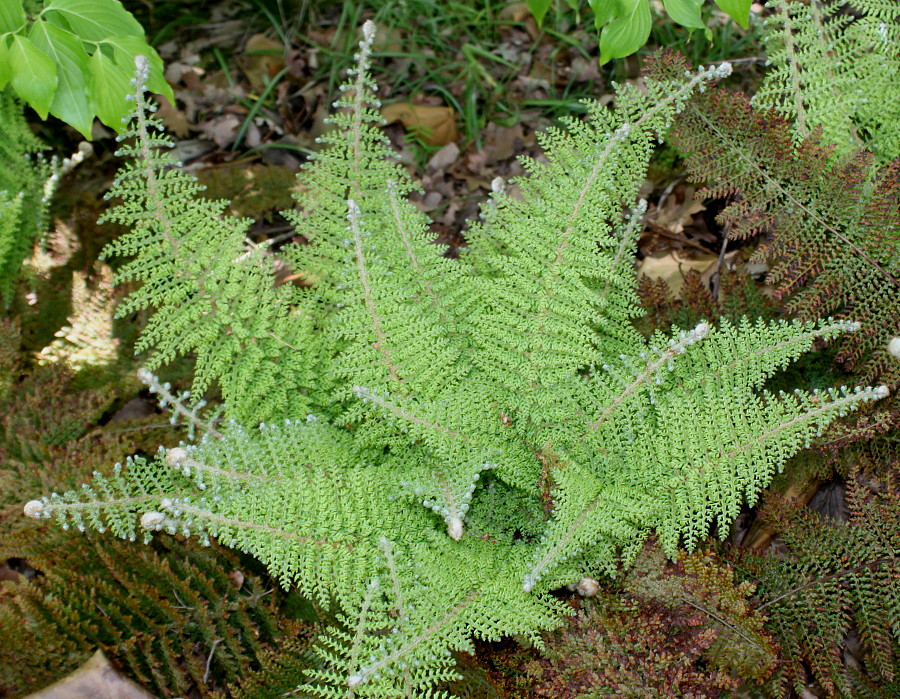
(434, 126)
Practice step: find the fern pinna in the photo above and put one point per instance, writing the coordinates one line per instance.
(444, 442)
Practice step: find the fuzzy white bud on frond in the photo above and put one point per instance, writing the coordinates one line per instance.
(894, 347)
(177, 456)
(497, 185)
(701, 331)
(152, 520)
(368, 30)
(141, 72)
(881, 392)
(455, 528)
(686, 339)
(34, 509)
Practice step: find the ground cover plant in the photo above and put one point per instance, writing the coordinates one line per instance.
(501, 389)
(452, 437)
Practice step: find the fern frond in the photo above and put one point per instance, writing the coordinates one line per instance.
(834, 67)
(209, 295)
(836, 255)
(23, 203)
(518, 362)
(552, 295)
(838, 576)
(382, 292)
(88, 339)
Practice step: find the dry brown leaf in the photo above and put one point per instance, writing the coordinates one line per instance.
(172, 117)
(7, 573)
(674, 216)
(96, 679)
(435, 126)
(264, 58)
(671, 268)
(515, 12)
(222, 130)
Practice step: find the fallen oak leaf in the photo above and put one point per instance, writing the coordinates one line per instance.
(434, 126)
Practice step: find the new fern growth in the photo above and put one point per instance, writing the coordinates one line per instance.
(444, 442)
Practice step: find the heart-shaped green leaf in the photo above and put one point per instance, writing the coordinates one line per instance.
(5, 67)
(126, 48)
(685, 12)
(539, 9)
(12, 16)
(738, 10)
(627, 32)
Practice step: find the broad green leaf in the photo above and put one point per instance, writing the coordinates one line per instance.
(627, 32)
(5, 67)
(70, 103)
(12, 15)
(108, 84)
(738, 10)
(605, 11)
(685, 12)
(539, 9)
(33, 74)
(126, 48)
(94, 19)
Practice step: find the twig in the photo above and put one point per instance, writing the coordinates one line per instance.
(209, 659)
(659, 230)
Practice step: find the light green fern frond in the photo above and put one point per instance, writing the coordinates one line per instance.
(552, 295)
(295, 497)
(209, 294)
(835, 65)
(381, 290)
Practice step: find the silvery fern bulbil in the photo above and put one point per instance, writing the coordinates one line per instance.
(427, 445)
